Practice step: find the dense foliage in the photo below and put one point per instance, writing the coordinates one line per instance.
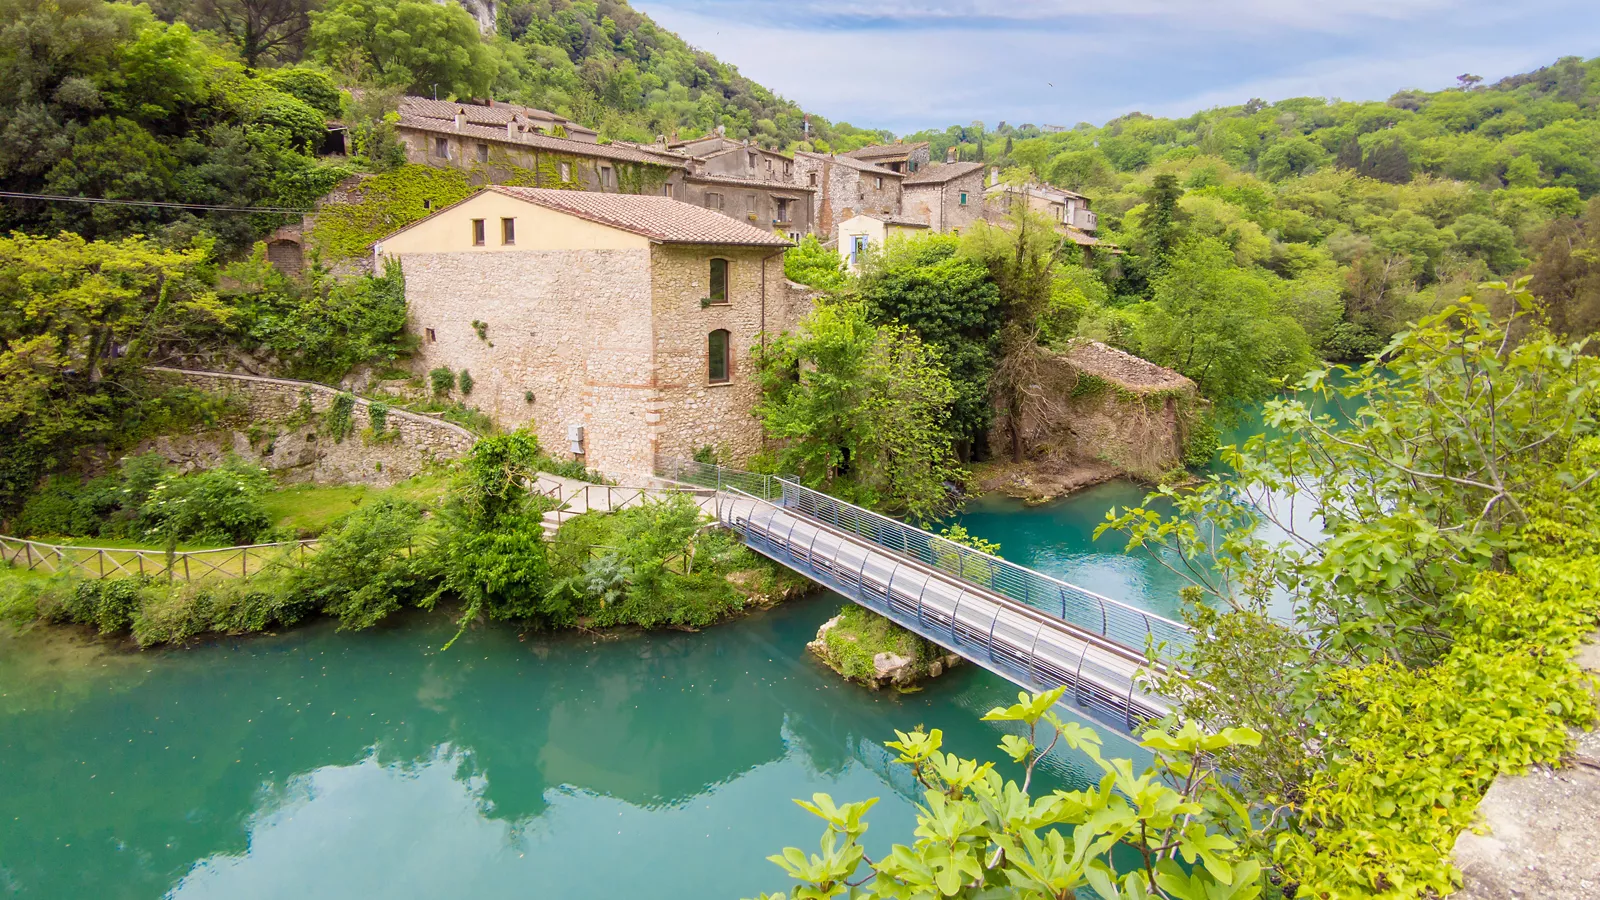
(859, 410)
(1392, 600)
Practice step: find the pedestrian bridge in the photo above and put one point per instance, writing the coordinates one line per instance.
(1036, 631)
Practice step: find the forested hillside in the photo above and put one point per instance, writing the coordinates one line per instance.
(1349, 218)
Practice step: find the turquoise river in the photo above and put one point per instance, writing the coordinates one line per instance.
(318, 764)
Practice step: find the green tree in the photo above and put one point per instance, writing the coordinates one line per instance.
(980, 834)
(415, 44)
(951, 303)
(814, 265)
(1221, 326)
(858, 410)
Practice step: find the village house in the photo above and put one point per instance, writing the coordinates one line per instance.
(859, 232)
(845, 186)
(502, 142)
(1068, 211)
(897, 157)
(745, 181)
(619, 327)
(948, 197)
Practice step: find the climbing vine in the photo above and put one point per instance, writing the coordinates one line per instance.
(337, 419)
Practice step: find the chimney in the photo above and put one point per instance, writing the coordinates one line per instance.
(511, 129)
(950, 155)
(461, 118)
(994, 175)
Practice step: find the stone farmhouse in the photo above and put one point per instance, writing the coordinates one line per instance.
(1067, 210)
(897, 157)
(618, 326)
(501, 143)
(948, 197)
(846, 186)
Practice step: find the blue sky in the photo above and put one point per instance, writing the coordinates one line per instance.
(912, 64)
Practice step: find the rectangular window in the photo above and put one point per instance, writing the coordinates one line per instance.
(879, 180)
(783, 209)
(858, 246)
(719, 281)
(794, 237)
(605, 176)
(508, 231)
(428, 332)
(717, 356)
(788, 167)
(750, 204)
(666, 190)
(713, 200)
(963, 198)
(752, 160)
(811, 179)
(566, 171)
(441, 148)
(477, 232)
(483, 153)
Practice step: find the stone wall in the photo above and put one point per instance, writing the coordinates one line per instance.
(566, 341)
(293, 443)
(1098, 403)
(843, 191)
(690, 412)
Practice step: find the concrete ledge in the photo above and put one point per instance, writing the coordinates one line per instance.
(1540, 830)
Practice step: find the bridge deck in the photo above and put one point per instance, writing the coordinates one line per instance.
(1035, 650)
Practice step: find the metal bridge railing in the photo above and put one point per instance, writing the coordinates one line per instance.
(1119, 622)
(1103, 679)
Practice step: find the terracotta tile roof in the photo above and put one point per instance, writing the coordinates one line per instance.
(850, 163)
(498, 114)
(942, 173)
(657, 218)
(619, 152)
(886, 150)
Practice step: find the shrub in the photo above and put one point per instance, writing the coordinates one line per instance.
(338, 420)
(443, 380)
(378, 417)
(106, 506)
(221, 505)
(109, 604)
(363, 569)
(1349, 342)
(466, 382)
(1201, 443)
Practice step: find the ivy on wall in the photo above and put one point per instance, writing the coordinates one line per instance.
(388, 202)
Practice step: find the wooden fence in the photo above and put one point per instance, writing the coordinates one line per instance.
(186, 565)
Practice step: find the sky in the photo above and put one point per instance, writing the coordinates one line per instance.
(906, 65)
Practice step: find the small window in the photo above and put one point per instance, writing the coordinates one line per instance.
(750, 204)
(812, 179)
(566, 171)
(858, 247)
(605, 176)
(483, 153)
(879, 181)
(427, 204)
(719, 281)
(477, 232)
(788, 167)
(666, 190)
(428, 333)
(508, 231)
(752, 160)
(441, 148)
(783, 209)
(717, 356)
(794, 237)
(713, 200)
(963, 198)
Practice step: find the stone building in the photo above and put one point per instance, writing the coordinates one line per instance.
(948, 197)
(1067, 210)
(845, 187)
(897, 157)
(627, 320)
(500, 142)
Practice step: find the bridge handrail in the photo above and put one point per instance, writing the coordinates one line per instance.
(1112, 619)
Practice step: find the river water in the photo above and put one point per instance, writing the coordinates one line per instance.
(317, 764)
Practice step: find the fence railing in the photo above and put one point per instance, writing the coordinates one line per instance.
(186, 565)
(579, 499)
(1119, 622)
(1104, 679)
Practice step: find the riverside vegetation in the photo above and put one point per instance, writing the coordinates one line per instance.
(478, 545)
(1427, 647)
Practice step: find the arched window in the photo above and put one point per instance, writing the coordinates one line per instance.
(717, 356)
(719, 281)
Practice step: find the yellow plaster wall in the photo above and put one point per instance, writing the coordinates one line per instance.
(538, 228)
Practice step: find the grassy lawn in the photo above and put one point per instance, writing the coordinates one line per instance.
(308, 509)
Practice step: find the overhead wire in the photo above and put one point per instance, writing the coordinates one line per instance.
(161, 204)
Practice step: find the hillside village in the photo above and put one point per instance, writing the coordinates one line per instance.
(675, 249)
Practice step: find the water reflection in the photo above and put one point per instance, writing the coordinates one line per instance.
(320, 764)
